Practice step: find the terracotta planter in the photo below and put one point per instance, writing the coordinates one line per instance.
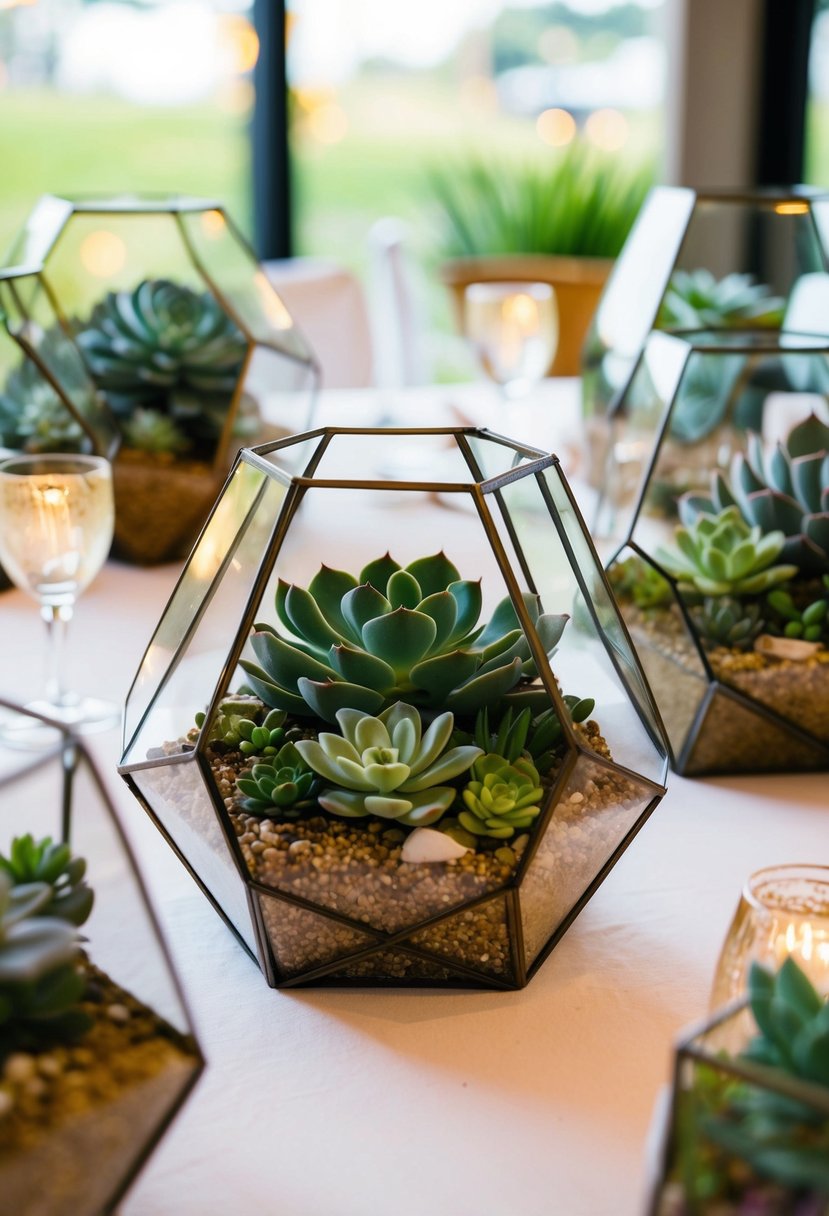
(577, 282)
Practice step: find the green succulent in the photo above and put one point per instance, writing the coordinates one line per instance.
(165, 348)
(40, 980)
(242, 724)
(637, 580)
(43, 861)
(787, 491)
(285, 782)
(722, 555)
(537, 737)
(393, 634)
(810, 623)
(152, 431)
(780, 1137)
(33, 418)
(695, 299)
(725, 621)
(501, 796)
(386, 766)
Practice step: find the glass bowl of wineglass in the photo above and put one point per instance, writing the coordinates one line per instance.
(56, 524)
(513, 329)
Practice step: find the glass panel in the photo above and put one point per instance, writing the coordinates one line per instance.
(734, 739)
(478, 937)
(395, 966)
(177, 796)
(303, 940)
(796, 691)
(282, 390)
(233, 543)
(667, 649)
(593, 815)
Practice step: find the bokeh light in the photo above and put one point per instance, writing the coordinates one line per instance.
(103, 254)
(327, 123)
(607, 129)
(556, 127)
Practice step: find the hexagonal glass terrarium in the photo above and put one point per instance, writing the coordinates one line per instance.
(392, 723)
(722, 570)
(97, 1052)
(747, 1130)
(182, 334)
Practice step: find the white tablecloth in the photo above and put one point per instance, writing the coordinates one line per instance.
(365, 1103)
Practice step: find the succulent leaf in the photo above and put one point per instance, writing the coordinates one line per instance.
(721, 555)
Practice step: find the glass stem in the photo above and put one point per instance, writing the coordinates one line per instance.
(57, 618)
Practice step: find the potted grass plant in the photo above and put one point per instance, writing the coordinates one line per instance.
(561, 222)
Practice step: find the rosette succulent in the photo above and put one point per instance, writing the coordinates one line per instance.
(784, 491)
(728, 622)
(285, 782)
(501, 796)
(722, 555)
(696, 300)
(152, 431)
(166, 348)
(242, 723)
(40, 982)
(393, 633)
(386, 766)
(43, 861)
(33, 418)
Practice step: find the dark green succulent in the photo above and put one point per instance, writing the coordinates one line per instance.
(41, 983)
(393, 634)
(720, 554)
(810, 623)
(285, 782)
(728, 622)
(782, 1138)
(168, 349)
(695, 299)
(786, 491)
(501, 797)
(244, 724)
(521, 734)
(43, 861)
(33, 418)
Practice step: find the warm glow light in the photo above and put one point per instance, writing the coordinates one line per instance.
(328, 123)
(239, 34)
(556, 127)
(236, 96)
(791, 208)
(213, 224)
(275, 311)
(103, 254)
(521, 310)
(479, 93)
(607, 129)
(7, 4)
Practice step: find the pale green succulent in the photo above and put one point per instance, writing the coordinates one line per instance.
(721, 555)
(285, 782)
(386, 766)
(501, 797)
(242, 723)
(44, 861)
(394, 634)
(695, 299)
(40, 982)
(784, 491)
(725, 621)
(152, 431)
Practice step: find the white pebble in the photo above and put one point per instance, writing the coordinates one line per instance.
(577, 797)
(425, 845)
(118, 1013)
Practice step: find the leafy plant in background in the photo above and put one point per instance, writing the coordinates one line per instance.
(811, 622)
(44, 861)
(721, 555)
(579, 205)
(787, 491)
(32, 416)
(639, 581)
(393, 633)
(727, 622)
(695, 299)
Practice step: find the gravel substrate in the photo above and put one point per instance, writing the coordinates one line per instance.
(74, 1119)
(798, 692)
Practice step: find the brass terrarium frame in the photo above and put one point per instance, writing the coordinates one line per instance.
(68, 754)
(481, 489)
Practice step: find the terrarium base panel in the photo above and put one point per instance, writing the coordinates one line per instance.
(79, 1119)
(161, 505)
(796, 691)
(734, 736)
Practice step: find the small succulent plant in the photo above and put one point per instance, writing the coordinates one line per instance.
(786, 491)
(32, 416)
(637, 580)
(168, 349)
(43, 861)
(40, 981)
(387, 766)
(695, 299)
(810, 623)
(501, 797)
(151, 431)
(535, 737)
(285, 782)
(243, 724)
(393, 633)
(722, 555)
(728, 622)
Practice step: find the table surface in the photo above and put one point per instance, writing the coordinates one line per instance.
(366, 1102)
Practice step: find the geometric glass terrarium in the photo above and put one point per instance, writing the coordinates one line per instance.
(185, 339)
(748, 1128)
(722, 561)
(395, 728)
(97, 1052)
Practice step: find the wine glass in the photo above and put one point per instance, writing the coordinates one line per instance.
(513, 328)
(56, 524)
(783, 910)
